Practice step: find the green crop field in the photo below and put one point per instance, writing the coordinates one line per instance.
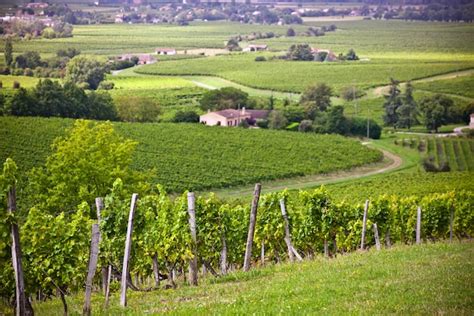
(458, 153)
(404, 280)
(462, 86)
(295, 76)
(25, 82)
(199, 157)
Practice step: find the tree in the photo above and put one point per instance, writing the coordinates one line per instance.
(300, 52)
(22, 104)
(138, 109)
(186, 117)
(233, 45)
(392, 103)
(436, 111)
(351, 93)
(102, 107)
(351, 55)
(336, 123)
(83, 165)
(50, 99)
(276, 120)
(305, 126)
(408, 111)
(224, 98)
(316, 98)
(28, 60)
(83, 70)
(291, 32)
(8, 52)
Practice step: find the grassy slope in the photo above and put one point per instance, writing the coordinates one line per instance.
(462, 86)
(428, 279)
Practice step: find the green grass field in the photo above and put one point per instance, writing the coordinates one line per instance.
(293, 76)
(406, 280)
(192, 156)
(462, 86)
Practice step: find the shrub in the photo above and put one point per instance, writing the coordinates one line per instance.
(106, 85)
(305, 126)
(260, 58)
(16, 85)
(262, 123)
(358, 127)
(186, 117)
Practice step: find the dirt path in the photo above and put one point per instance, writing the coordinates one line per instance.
(389, 163)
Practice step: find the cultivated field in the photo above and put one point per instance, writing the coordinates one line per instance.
(198, 157)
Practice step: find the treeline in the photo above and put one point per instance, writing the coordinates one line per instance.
(51, 99)
(403, 111)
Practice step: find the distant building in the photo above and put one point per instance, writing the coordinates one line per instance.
(330, 55)
(143, 59)
(232, 117)
(255, 48)
(165, 51)
(37, 5)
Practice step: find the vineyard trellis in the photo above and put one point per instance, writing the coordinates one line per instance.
(56, 248)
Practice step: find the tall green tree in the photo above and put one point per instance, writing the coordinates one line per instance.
(392, 102)
(436, 111)
(301, 52)
(86, 71)
(224, 98)
(84, 165)
(316, 98)
(408, 111)
(8, 52)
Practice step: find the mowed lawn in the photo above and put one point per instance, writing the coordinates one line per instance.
(405, 280)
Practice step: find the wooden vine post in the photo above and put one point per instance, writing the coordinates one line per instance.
(193, 266)
(107, 287)
(251, 232)
(418, 225)
(223, 255)
(126, 256)
(451, 221)
(284, 214)
(376, 235)
(94, 255)
(364, 224)
(99, 205)
(23, 307)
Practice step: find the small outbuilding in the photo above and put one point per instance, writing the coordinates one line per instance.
(165, 51)
(255, 48)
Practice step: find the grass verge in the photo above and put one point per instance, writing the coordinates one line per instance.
(428, 279)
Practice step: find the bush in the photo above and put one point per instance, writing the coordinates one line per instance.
(358, 127)
(260, 58)
(262, 123)
(106, 85)
(305, 126)
(186, 117)
(16, 85)
(430, 166)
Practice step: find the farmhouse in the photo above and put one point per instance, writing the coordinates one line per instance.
(323, 54)
(255, 48)
(143, 59)
(232, 117)
(165, 51)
